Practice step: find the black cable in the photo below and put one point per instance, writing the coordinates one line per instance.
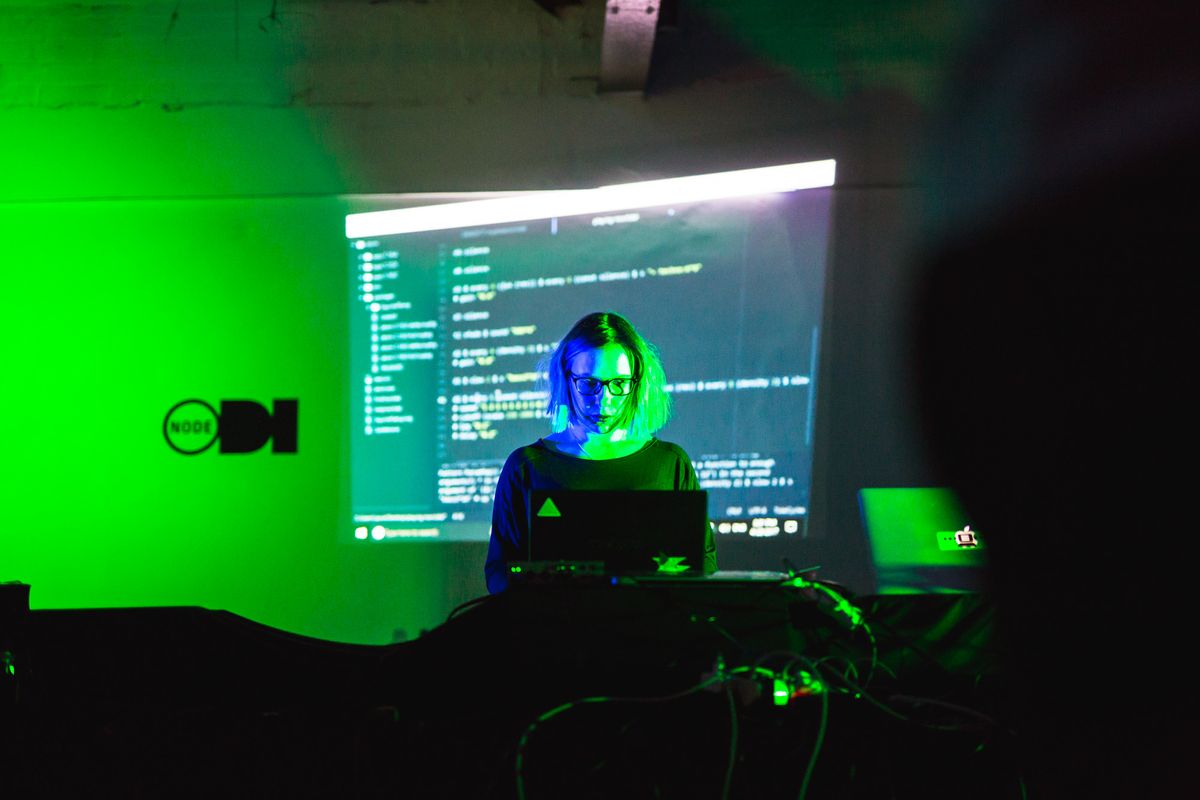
(983, 721)
(474, 601)
(554, 712)
(823, 722)
(733, 742)
(906, 642)
(917, 702)
(816, 751)
(860, 692)
(854, 614)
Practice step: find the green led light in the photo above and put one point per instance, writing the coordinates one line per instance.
(782, 692)
(809, 684)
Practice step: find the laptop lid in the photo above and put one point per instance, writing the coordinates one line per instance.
(630, 532)
(922, 541)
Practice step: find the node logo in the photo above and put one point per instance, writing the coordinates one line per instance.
(241, 426)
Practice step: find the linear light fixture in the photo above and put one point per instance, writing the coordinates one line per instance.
(570, 202)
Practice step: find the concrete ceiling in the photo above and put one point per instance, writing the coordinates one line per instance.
(180, 53)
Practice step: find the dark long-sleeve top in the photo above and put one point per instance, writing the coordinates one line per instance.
(658, 465)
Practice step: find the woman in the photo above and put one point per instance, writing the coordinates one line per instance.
(607, 400)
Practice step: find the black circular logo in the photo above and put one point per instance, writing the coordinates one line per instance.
(190, 427)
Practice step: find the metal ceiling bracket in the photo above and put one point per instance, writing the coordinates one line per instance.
(628, 40)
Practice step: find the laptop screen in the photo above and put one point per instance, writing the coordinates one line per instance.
(922, 541)
(629, 532)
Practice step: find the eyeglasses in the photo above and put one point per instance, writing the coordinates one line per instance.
(618, 387)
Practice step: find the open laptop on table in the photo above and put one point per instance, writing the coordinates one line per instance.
(922, 541)
(625, 533)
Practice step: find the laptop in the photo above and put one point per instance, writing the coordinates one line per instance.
(922, 541)
(636, 533)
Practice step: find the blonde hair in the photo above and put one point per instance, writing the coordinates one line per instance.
(649, 406)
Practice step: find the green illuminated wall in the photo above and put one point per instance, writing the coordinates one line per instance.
(113, 312)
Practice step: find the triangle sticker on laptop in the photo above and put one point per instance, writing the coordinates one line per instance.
(548, 509)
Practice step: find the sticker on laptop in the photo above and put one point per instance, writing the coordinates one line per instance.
(965, 539)
(671, 565)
